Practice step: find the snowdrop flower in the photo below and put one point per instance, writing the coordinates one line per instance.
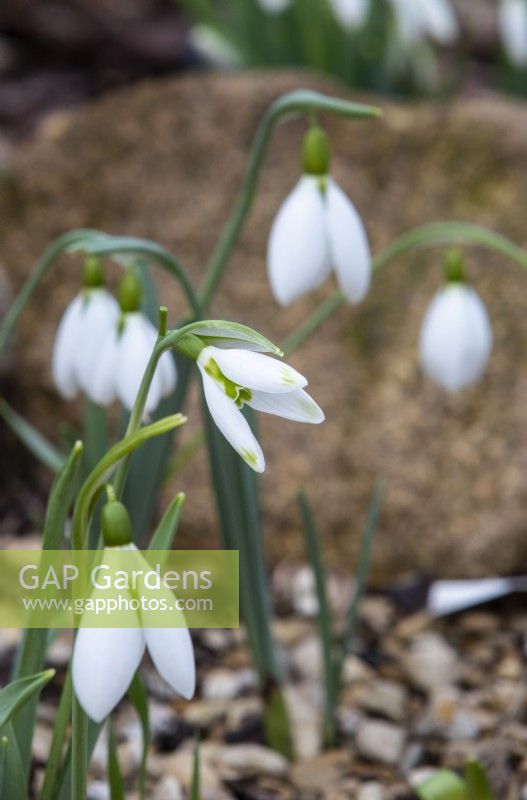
(513, 28)
(234, 377)
(456, 336)
(86, 325)
(126, 353)
(317, 230)
(415, 19)
(106, 659)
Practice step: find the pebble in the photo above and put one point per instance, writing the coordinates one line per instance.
(169, 788)
(303, 705)
(306, 658)
(431, 663)
(98, 790)
(204, 714)
(371, 791)
(250, 760)
(41, 743)
(319, 774)
(180, 765)
(387, 699)
(381, 742)
(224, 684)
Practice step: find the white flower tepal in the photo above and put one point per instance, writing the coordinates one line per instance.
(123, 361)
(87, 323)
(235, 377)
(456, 337)
(513, 27)
(317, 230)
(105, 659)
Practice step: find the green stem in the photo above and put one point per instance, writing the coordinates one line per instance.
(302, 101)
(79, 753)
(51, 777)
(437, 234)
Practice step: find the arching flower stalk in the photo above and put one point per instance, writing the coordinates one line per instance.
(317, 230)
(456, 336)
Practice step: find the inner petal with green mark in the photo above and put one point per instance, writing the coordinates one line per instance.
(239, 394)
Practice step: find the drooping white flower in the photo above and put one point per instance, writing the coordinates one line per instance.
(106, 659)
(235, 377)
(513, 29)
(419, 19)
(456, 337)
(123, 361)
(86, 325)
(350, 13)
(317, 230)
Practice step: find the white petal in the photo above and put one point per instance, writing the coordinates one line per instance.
(232, 423)
(456, 338)
(297, 405)
(411, 20)
(65, 347)
(513, 27)
(104, 663)
(101, 390)
(350, 13)
(297, 253)
(167, 374)
(101, 315)
(173, 655)
(254, 370)
(350, 252)
(136, 344)
(441, 21)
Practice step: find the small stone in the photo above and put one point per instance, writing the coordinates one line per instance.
(306, 658)
(58, 654)
(431, 662)
(377, 613)
(98, 790)
(224, 684)
(479, 622)
(381, 742)
(180, 765)
(464, 726)
(303, 705)
(250, 760)
(317, 774)
(510, 667)
(304, 596)
(204, 714)
(371, 791)
(41, 743)
(355, 670)
(386, 698)
(169, 788)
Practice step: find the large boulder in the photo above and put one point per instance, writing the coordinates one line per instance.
(164, 160)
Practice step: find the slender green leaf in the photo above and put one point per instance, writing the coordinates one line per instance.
(477, 782)
(361, 575)
(184, 456)
(14, 785)
(442, 785)
(15, 694)
(277, 725)
(32, 650)
(95, 434)
(138, 697)
(35, 442)
(312, 540)
(165, 532)
(60, 727)
(195, 787)
(115, 778)
(4, 742)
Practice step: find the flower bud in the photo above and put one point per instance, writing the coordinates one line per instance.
(129, 293)
(93, 275)
(316, 154)
(116, 526)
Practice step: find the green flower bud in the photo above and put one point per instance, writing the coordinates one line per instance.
(454, 267)
(129, 293)
(116, 526)
(191, 346)
(316, 152)
(93, 275)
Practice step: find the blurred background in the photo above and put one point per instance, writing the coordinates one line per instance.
(60, 52)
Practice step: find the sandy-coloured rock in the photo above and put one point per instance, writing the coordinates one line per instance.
(164, 160)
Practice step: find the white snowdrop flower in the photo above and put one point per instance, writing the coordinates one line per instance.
(456, 337)
(123, 360)
(86, 325)
(350, 13)
(316, 230)
(106, 659)
(235, 377)
(275, 6)
(418, 19)
(513, 29)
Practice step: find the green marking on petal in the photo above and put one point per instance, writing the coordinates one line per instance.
(239, 394)
(288, 376)
(250, 457)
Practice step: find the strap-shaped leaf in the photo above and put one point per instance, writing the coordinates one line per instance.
(115, 778)
(33, 440)
(138, 697)
(15, 694)
(13, 784)
(478, 786)
(165, 532)
(442, 785)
